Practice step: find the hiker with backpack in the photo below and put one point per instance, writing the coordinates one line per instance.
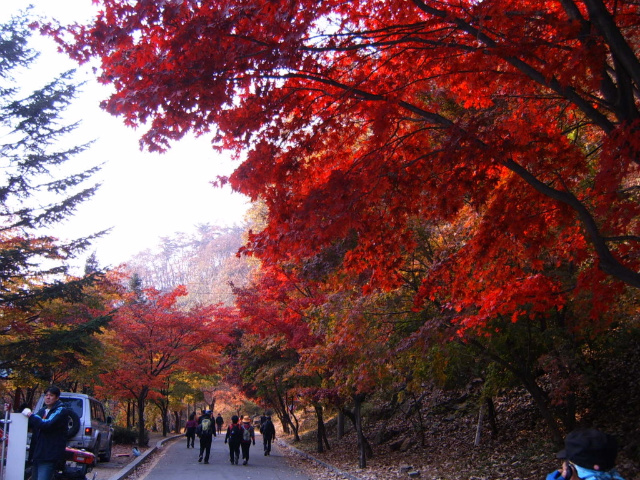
(248, 437)
(205, 431)
(233, 437)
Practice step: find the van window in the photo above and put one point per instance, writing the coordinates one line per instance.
(74, 404)
(97, 413)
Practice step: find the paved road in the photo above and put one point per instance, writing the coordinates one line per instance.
(178, 461)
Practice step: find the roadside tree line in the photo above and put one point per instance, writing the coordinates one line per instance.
(441, 180)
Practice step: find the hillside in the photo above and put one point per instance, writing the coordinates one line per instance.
(520, 449)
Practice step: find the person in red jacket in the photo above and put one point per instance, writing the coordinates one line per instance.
(247, 438)
(190, 430)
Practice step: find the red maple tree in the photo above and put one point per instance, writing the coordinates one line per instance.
(154, 338)
(358, 118)
(510, 126)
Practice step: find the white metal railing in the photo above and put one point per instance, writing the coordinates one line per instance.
(5, 430)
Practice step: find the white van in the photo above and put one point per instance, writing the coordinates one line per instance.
(89, 428)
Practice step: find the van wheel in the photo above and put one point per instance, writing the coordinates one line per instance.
(106, 456)
(74, 424)
(96, 449)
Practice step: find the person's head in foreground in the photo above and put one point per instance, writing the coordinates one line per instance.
(588, 454)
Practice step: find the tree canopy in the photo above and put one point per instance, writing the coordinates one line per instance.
(522, 115)
(432, 172)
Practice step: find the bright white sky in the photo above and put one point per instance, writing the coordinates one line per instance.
(143, 196)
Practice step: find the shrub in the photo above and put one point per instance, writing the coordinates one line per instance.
(124, 436)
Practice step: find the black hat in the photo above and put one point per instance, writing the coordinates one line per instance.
(590, 447)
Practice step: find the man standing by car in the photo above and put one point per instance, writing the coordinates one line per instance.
(49, 438)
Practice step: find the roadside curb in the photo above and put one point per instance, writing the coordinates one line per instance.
(127, 470)
(315, 460)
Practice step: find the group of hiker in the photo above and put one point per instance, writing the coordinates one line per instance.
(240, 435)
(589, 454)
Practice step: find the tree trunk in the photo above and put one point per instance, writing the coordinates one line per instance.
(491, 410)
(17, 400)
(542, 402)
(165, 421)
(367, 446)
(416, 406)
(285, 421)
(24, 399)
(279, 408)
(357, 410)
(528, 381)
(569, 417)
(177, 417)
(295, 426)
(321, 432)
(163, 407)
(282, 402)
(479, 426)
(340, 424)
(281, 417)
(142, 440)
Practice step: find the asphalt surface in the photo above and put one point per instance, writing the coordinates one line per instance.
(178, 461)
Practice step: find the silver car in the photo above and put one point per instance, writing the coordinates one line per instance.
(89, 428)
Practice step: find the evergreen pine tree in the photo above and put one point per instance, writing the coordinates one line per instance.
(37, 193)
(91, 265)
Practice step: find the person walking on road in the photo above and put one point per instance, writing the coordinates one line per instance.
(219, 423)
(173, 464)
(248, 437)
(50, 425)
(190, 432)
(233, 437)
(206, 432)
(268, 431)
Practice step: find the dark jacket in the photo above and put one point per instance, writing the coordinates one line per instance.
(49, 437)
(219, 421)
(206, 435)
(234, 434)
(268, 430)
